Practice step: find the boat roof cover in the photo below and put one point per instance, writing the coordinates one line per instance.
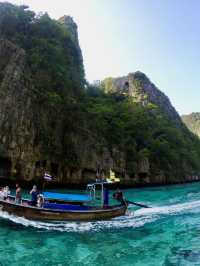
(101, 182)
(67, 197)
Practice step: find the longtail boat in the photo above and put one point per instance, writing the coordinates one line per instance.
(69, 213)
(66, 207)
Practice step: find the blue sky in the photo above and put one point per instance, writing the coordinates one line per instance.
(159, 37)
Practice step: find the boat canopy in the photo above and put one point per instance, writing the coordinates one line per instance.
(67, 197)
(104, 182)
(101, 182)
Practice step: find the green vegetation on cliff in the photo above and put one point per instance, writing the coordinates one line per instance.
(71, 128)
(53, 55)
(144, 132)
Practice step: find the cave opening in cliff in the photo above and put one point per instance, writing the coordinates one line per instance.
(142, 175)
(37, 164)
(88, 174)
(43, 163)
(18, 170)
(5, 167)
(126, 84)
(54, 169)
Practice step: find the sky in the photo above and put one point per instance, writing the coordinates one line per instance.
(159, 37)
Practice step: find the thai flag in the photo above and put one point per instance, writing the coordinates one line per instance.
(47, 177)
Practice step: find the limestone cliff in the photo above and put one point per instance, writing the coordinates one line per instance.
(70, 26)
(138, 86)
(34, 135)
(51, 120)
(16, 116)
(192, 121)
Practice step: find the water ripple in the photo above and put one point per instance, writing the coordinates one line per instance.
(134, 220)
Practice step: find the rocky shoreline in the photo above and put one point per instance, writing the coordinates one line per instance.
(56, 185)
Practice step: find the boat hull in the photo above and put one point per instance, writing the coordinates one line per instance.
(35, 213)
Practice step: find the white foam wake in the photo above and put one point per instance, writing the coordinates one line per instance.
(171, 209)
(138, 219)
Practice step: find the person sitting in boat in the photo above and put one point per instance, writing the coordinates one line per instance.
(18, 194)
(34, 194)
(1, 193)
(40, 200)
(118, 195)
(6, 192)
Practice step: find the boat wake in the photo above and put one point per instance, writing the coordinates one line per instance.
(137, 219)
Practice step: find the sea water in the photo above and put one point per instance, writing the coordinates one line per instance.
(167, 234)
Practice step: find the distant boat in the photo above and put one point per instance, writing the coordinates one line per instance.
(112, 178)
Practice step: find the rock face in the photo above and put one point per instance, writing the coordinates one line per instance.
(23, 122)
(192, 121)
(24, 154)
(16, 118)
(50, 122)
(138, 86)
(70, 155)
(70, 26)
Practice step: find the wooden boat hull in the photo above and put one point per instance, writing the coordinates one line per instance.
(35, 213)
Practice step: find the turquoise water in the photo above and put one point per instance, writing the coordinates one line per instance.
(168, 234)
